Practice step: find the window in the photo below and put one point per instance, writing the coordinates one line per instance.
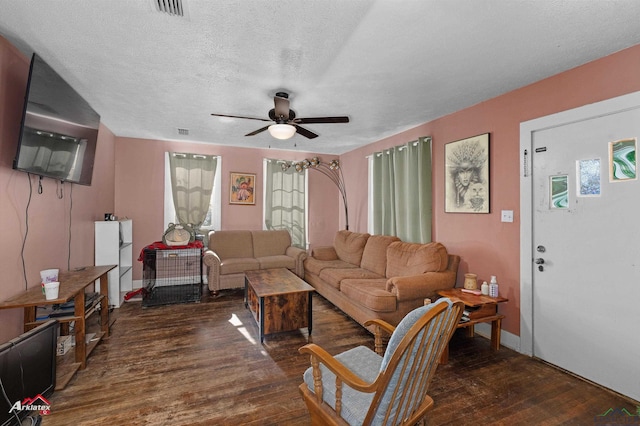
(212, 220)
(285, 200)
(400, 191)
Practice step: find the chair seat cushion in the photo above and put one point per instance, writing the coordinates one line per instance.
(365, 364)
(278, 261)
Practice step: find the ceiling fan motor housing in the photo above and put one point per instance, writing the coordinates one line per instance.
(272, 115)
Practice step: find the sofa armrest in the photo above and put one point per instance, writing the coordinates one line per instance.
(299, 255)
(212, 261)
(420, 286)
(324, 253)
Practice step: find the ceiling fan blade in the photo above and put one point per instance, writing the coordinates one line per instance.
(304, 132)
(281, 105)
(313, 120)
(239, 116)
(255, 132)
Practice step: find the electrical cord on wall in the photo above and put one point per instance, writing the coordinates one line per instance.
(70, 212)
(26, 232)
(60, 190)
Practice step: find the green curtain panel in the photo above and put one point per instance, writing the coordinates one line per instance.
(401, 191)
(191, 184)
(285, 201)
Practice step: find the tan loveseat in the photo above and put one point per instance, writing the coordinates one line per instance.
(379, 276)
(231, 253)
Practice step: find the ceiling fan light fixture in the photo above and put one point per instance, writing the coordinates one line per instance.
(282, 131)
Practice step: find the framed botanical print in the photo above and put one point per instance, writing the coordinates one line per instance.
(242, 188)
(467, 175)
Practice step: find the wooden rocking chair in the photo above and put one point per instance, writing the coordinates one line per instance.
(362, 387)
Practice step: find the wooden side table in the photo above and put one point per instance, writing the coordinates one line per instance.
(72, 287)
(481, 309)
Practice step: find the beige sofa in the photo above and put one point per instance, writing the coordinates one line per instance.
(379, 276)
(231, 253)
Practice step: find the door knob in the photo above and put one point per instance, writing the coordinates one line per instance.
(539, 261)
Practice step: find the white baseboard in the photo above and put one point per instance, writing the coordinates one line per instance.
(507, 339)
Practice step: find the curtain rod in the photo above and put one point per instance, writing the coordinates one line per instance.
(398, 147)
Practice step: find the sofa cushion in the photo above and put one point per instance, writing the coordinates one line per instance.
(237, 265)
(333, 276)
(316, 266)
(374, 256)
(406, 259)
(231, 244)
(369, 293)
(324, 253)
(281, 261)
(270, 243)
(350, 245)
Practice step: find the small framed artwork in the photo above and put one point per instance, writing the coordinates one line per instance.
(588, 177)
(242, 188)
(559, 192)
(622, 160)
(467, 175)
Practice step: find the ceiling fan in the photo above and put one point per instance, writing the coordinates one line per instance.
(286, 124)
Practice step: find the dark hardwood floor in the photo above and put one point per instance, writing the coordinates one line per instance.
(202, 364)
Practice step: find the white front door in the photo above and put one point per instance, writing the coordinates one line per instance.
(585, 253)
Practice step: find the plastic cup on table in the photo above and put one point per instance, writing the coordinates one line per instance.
(49, 276)
(51, 290)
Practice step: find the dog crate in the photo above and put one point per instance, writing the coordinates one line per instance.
(172, 276)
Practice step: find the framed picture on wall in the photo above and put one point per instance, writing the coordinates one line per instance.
(559, 192)
(622, 160)
(242, 188)
(466, 187)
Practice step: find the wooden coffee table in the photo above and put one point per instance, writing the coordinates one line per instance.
(278, 300)
(481, 309)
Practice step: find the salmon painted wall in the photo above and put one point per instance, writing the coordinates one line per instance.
(488, 246)
(50, 219)
(139, 183)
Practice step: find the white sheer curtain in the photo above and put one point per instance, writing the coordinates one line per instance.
(401, 191)
(285, 201)
(191, 184)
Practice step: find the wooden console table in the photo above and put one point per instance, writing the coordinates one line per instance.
(72, 286)
(481, 309)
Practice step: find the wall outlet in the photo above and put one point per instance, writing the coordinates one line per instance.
(507, 215)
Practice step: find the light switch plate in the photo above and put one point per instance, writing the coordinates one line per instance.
(507, 215)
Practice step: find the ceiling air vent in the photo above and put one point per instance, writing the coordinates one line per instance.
(172, 7)
(183, 132)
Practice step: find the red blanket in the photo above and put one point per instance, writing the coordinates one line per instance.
(159, 245)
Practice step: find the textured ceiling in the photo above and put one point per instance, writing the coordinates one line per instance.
(389, 65)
